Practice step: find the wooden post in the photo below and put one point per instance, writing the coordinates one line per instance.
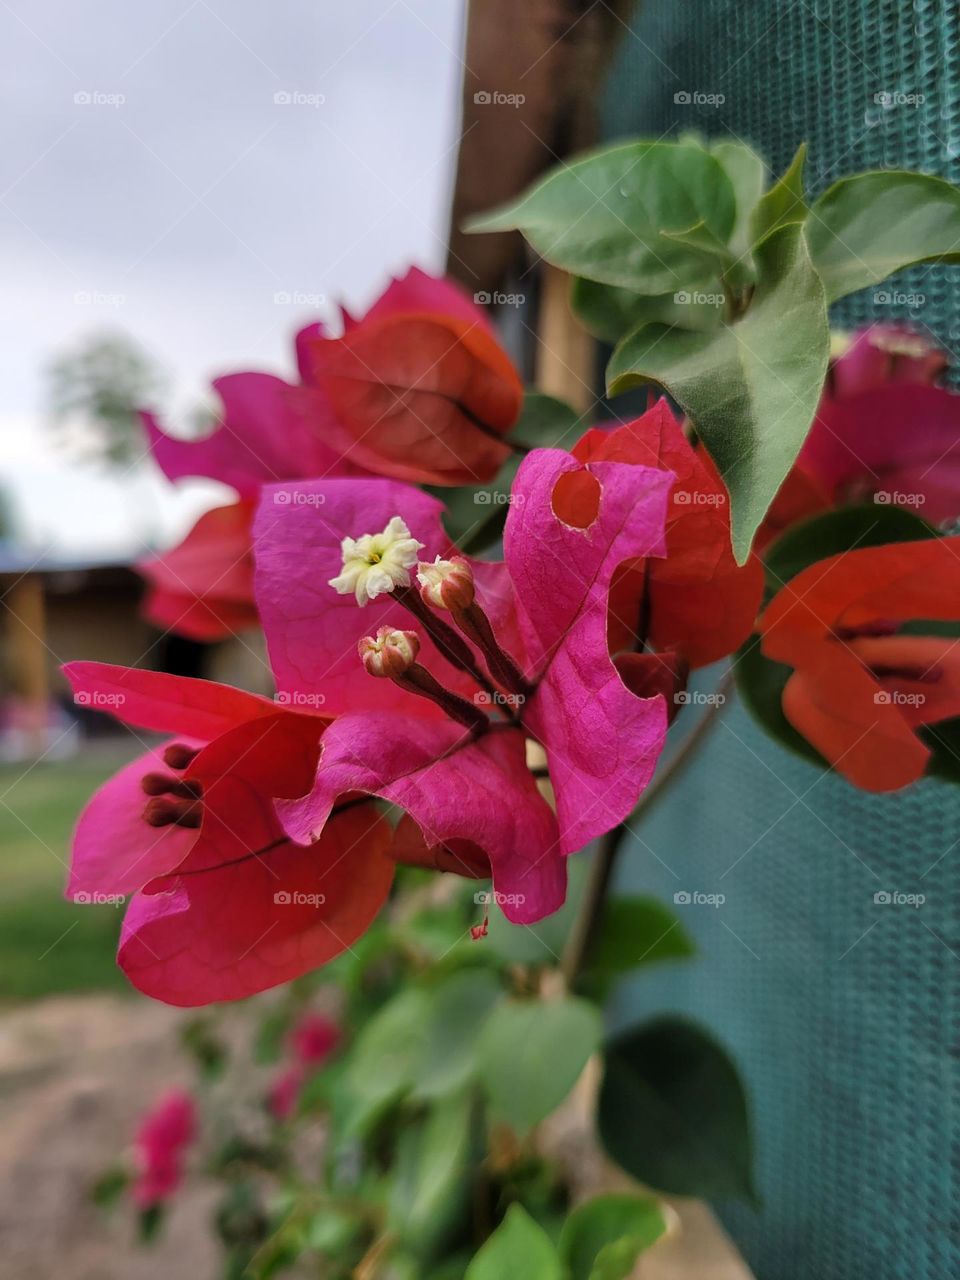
(26, 631)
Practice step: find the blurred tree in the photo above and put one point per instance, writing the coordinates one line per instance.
(95, 391)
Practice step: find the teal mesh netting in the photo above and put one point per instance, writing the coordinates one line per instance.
(843, 1012)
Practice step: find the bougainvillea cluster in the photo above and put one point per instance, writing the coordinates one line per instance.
(253, 837)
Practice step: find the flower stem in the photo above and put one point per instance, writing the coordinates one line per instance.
(589, 919)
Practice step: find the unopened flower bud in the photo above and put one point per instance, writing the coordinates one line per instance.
(389, 652)
(446, 584)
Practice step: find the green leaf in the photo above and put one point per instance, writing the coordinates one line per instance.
(672, 1111)
(384, 1061)
(431, 1177)
(602, 1238)
(519, 1248)
(638, 931)
(609, 312)
(546, 422)
(531, 1055)
(784, 203)
(747, 172)
(759, 680)
(458, 1010)
(750, 388)
(864, 228)
(602, 216)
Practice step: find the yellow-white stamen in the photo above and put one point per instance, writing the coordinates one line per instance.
(376, 563)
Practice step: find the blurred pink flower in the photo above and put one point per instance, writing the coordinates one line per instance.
(164, 1133)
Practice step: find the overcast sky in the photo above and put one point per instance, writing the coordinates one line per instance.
(169, 168)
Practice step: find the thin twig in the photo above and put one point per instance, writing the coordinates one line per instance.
(590, 916)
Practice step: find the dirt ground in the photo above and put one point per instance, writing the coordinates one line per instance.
(75, 1073)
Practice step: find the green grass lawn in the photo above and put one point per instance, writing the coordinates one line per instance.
(48, 945)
